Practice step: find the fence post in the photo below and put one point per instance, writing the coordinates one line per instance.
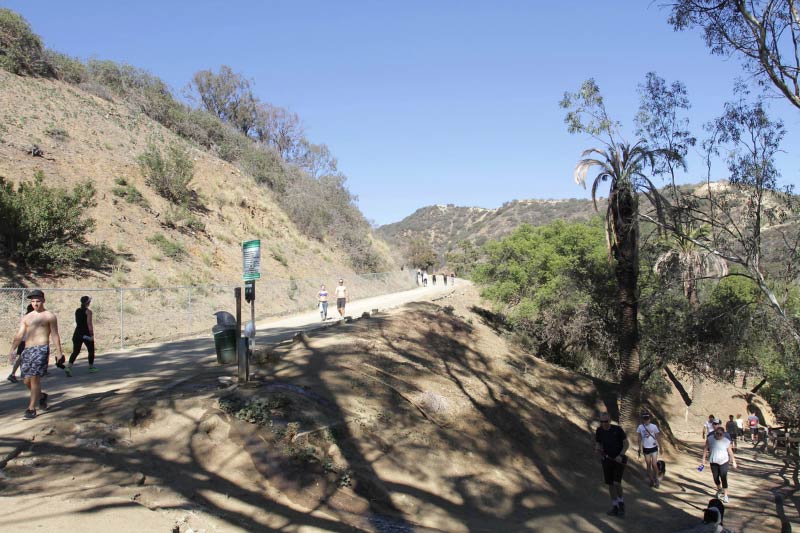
(121, 320)
(189, 312)
(22, 304)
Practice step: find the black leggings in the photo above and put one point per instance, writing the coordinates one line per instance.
(720, 472)
(76, 349)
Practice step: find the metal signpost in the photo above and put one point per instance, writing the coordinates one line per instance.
(251, 271)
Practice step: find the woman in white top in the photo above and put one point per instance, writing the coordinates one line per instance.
(719, 451)
(648, 444)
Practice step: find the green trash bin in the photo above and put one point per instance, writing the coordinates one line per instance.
(225, 343)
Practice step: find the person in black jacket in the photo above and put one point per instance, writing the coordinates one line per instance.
(84, 334)
(611, 443)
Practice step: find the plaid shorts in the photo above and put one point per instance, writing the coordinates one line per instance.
(34, 360)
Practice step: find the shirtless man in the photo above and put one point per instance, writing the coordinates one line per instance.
(341, 297)
(37, 327)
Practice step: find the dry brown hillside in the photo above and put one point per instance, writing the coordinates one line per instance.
(85, 137)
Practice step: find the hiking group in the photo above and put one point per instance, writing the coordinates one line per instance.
(422, 278)
(30, 349)
(340, 292)
(611, 445)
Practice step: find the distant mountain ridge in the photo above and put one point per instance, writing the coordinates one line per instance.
(444, 226)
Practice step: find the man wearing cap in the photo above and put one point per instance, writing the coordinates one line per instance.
(341, 297)
(84, 334)
(37, 327)
(611, 443)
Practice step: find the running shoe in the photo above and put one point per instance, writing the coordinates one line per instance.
(657, 483)
(613, 512)
(724, 499)
(43, 401)
(30, 414)
(12, 378)
(60, 363)
(93, 369)
(68, 371)
(621, 508)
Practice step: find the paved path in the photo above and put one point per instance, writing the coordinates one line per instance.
(145, 365)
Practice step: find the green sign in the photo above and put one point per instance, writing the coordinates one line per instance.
(251, 260)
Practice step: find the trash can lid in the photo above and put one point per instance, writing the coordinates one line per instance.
(224, 317)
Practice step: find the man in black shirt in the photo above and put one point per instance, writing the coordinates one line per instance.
(611, 443)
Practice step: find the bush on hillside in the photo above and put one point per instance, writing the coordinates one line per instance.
(21, 50)
(47, 227)
(66, 68)
(168, 174)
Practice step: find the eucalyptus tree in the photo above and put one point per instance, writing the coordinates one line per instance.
(623, 165)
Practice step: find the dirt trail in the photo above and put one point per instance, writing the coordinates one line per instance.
(419, 419)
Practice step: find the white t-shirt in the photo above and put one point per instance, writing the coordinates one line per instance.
(648, 441)
(709, 427)
(718, 450)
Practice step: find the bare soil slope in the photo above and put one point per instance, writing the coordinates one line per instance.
(418, 419)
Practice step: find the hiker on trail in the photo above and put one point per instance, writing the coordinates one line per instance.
(341, 297)
(434, 280)
(719, 450)
(12, 376)
(708, 427)
(718, 424)
(611, 443)
(739, 426)
(37, 328)
(424, 278)
(83, 334)
(419, 277)
(452, 279)
(732, 429)
(752, 423)
(648, 445)
(322, 298)
(444, 277)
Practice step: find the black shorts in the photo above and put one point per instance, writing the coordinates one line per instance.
(648, 451)
(754, 431)
(612, 471)
(340, 302)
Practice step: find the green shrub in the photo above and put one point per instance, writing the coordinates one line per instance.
(21, 50)
(277, 255)
(66, 68)
(47, 227)
(59, 134)
(168, 174)
(171, 249)
(129, 193)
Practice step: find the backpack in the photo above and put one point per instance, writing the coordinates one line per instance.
(662, 467)
(753, 422)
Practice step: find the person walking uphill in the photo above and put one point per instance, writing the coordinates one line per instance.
(322, 298)
(719, 451)
(611, 443)
(84, 334)
(37, 328)
(648, 445)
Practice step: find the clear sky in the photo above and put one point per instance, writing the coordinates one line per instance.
(423, 102)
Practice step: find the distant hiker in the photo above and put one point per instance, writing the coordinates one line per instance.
(434, 280)
(444, 277)
(648, 445)
(341, 297)
(322, 298)
(83, 334)
(708, 427)
(37, 327)
(732, 429)
(719, 451)
(752, 423)
(611, 443)
(424, 278)
(452, 278)
(739, 426)
(12, 376)
(419, 277)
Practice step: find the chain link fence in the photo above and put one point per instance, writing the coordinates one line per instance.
(125, 317)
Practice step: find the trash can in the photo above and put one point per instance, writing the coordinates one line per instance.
(225, 343)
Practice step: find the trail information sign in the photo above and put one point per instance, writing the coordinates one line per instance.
(251, 260)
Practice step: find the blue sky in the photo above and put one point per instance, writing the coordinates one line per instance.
(423, 102)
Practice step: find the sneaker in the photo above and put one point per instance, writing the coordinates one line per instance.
(43, 401)
(621, 508)
(657, 483)
(614, 511)
(12, 378)
(652, 484)
(93, 369)
(30, 414)
(724, 499)
(68, 371)
(60, 363)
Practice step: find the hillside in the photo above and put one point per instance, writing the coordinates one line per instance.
(444, 226)
(83, 137)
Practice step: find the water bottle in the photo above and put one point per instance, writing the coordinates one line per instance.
(700, 468)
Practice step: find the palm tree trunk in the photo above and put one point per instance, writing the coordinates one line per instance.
(625, 250)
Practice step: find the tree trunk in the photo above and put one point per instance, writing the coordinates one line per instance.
(625, 250)
(678, 386)
(757, 388)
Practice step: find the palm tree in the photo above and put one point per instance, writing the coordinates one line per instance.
(622, 166)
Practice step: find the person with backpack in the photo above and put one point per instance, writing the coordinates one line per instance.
(732, 429)
(719, 451)
(752, 423)
(648, 445)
